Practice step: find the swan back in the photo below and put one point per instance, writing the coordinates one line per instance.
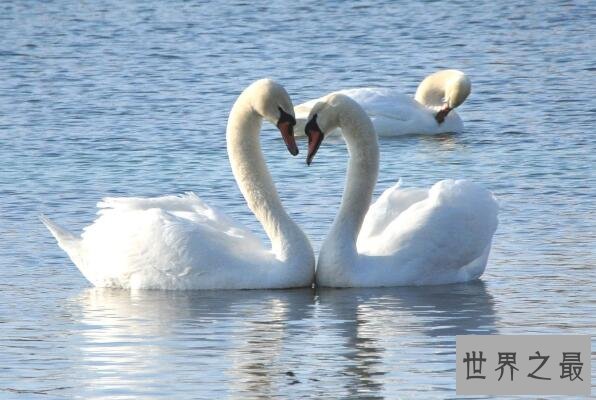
(447, 87)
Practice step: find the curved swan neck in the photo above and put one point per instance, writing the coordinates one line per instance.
(254, 180)
(447, 87)
(362, 172)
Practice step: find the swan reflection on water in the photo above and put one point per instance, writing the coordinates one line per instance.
(273, 342)
(392, 337)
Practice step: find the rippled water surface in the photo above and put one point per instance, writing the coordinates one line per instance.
(131, 99)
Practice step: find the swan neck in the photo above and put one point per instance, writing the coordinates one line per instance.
(431, 93)
(361, 177)
(255, 182)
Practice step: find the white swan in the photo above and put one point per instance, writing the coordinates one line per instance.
(393, 114)
(179, 242)
(408, 236)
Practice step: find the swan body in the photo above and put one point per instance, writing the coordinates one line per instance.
(395, 114)
(408, 236)
(179, 242)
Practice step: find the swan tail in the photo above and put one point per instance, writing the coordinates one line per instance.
(61, 234)
(66, 240)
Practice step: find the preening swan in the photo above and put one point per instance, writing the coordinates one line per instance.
(179, 242)
(393, 114)
(408, 236)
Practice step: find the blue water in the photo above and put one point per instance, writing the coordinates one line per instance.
(120, 98)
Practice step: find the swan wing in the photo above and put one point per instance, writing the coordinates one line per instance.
(447, 227)
(385, 102)
(392, 202)
(187, 207)
(164, 242)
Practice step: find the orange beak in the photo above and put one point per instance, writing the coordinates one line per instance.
(315, 138)
(285, 124)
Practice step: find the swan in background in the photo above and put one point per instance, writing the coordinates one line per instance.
(179, 242)
(408, 236)
(430, 112)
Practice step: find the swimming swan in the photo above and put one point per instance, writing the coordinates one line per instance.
(393, 114)
(179, 242)
(408, 236)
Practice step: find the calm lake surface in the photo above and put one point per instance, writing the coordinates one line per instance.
(120, 98)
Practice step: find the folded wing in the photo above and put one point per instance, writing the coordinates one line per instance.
(444, 228)
(161, 241)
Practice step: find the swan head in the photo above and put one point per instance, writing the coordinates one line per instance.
(323, 117)
(271, 101)
(443, 91)
(457, 90)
